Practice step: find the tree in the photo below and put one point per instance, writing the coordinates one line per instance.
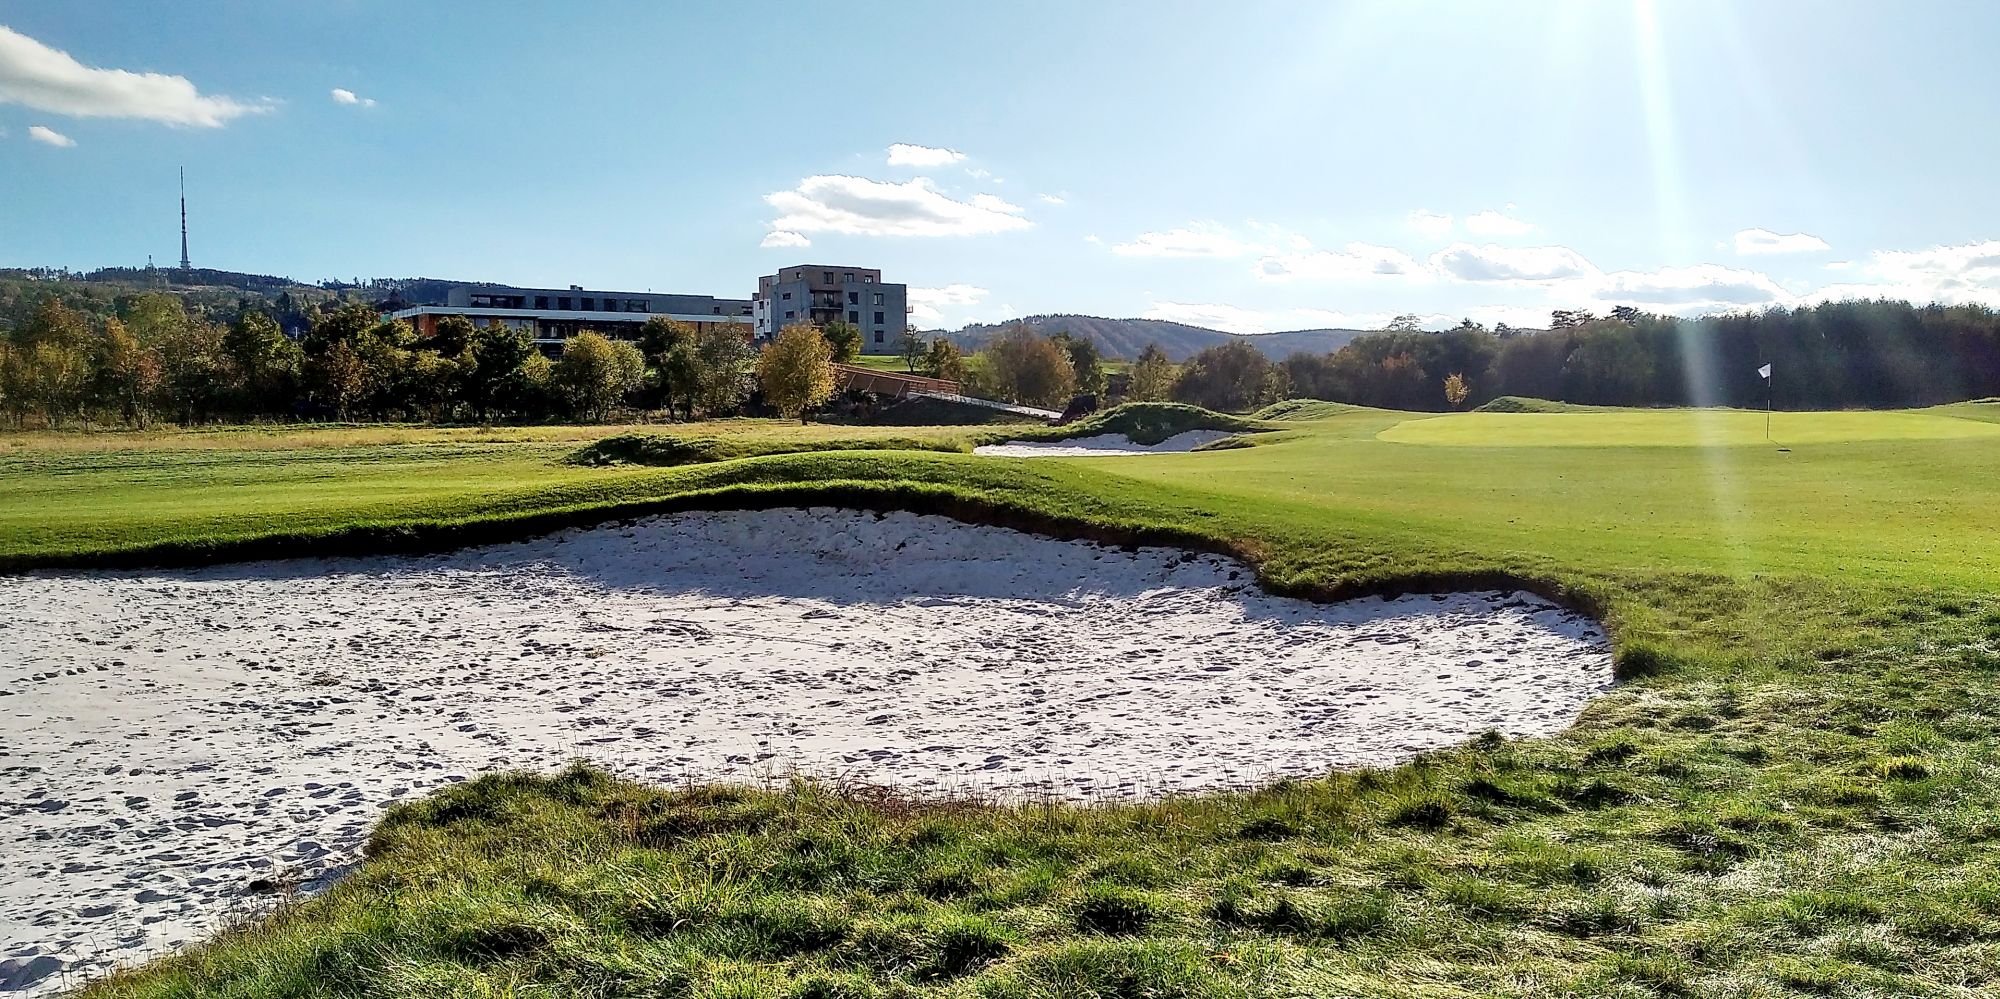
(595, 372)
(58, 379)
(1228, 377)
(1084, 361)
(844, 338)
(1406, 323)
(796, 370)
(339, 377)
(942, 359)
(193, 368)
(912, 349)
(126, 374)
(1153, 376)
(499, 356)
(341, 325)
(1029, 368)
(267, 363)
(659, 335)
(724, 356)
(1456, 389)
(1569, 319)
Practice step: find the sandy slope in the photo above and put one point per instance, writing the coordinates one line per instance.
(1102, 445)
(169, 738)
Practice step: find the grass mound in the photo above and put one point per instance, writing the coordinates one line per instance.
(923, 411)
(1145, 423)
(1302, 410)
(1522, 404)
(667, 450)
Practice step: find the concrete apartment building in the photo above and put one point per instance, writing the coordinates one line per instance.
(805, 293)
(821, 294)
(553, 315)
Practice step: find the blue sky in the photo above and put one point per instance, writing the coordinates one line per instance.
(1248, 165)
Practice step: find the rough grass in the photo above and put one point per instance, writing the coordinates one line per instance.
(1792, 794)
(1142, 422)
(1523, 404)
(1685, 428)
(667, 450)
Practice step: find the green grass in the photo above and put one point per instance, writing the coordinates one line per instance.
(1683, 428)
(1142, 423)
(1795, 792)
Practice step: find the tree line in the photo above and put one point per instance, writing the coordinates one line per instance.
(1854, 354)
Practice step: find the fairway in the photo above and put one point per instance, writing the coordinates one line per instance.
(1790, 792)
(1681, 428)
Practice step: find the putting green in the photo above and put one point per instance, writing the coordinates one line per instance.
(1680, 428)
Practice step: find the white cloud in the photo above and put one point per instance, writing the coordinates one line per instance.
(1966, 274)
(1237, 319)
(1435, 225)
(1750, 241)
(1839, 265)
(1696, 289)
(1053, 199)
(1354, 261)
(1201, 239)
(34, 75)
(927, 305)
(994, 204)
(50, 137)
(1093, 239)
(905, 154)
(857, 206)
(783, 237)
(342, 95)
(1493, 223)
(1511, 264)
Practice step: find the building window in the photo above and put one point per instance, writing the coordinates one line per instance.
(789, 313)
(638, 305)
(590, 305)
(541, 301)
(798, 275)
(878, 336)
(826, 277)
(854, 298)
(867, 279)
(878, 301)
(849, 277)
(563, 304)
(878, 319)
(788, 296)
(854, 317)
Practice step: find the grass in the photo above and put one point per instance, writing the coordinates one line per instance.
(1682, 428)
(1143, 423)
(1792, 794)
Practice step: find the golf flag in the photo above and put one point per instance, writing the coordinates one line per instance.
(1764, 372)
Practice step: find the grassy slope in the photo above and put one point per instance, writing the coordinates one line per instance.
(1795, 795)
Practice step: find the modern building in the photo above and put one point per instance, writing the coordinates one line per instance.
(819, 294)
(554, 315)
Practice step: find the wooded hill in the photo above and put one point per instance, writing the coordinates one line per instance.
(1125, 338)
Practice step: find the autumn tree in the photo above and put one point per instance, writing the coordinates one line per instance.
(500, 357)
(1029, 368)
(1456, 389)
(1228, 377)
(1084, 360)
(595, 372)
(942, 359)
(796, 370)
(126, 375)
(1152, 376)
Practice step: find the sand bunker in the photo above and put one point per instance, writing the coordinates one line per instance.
(1102, 445)
(174, 742)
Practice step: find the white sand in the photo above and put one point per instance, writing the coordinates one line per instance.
(1102, 445)
(168, 737)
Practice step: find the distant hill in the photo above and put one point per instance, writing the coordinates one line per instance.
(1125, 338)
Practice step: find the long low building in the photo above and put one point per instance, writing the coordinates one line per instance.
(553, 315)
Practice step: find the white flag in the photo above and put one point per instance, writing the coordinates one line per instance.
(1764, 372)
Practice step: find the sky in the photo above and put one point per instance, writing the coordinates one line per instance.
(1250, 166)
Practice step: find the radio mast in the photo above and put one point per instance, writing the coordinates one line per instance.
(184, 221)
